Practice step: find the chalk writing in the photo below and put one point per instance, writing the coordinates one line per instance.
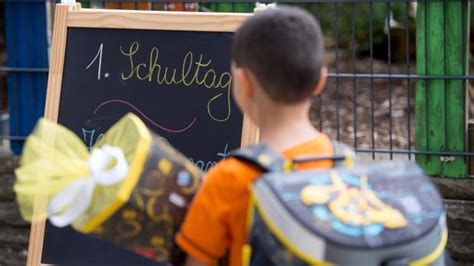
(89, 137)
(205, 166)
(153, 71)
(145, 116)
(99, 68)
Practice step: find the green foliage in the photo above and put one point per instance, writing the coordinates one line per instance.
(340, 17)
(237, 7)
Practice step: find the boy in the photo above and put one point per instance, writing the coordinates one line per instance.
(277, 65)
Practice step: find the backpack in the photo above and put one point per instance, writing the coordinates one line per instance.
(384, 213)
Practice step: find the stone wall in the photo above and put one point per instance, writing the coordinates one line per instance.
(458, 194)
(14, 232)
(458, 197)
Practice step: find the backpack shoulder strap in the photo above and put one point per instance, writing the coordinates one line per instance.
(263, 157)
(269, 160)
(342, 149)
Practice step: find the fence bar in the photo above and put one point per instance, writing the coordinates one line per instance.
(24, 69)
(372, 85)
(390, 116)
(407, 51)
(354, 85)
(416, 152)
(20, 138)
(336, 44)
(432, 113)
(399, 76)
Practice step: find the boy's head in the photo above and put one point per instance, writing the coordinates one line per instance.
(281, 51)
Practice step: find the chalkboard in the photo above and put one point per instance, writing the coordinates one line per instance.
(175, 76)
(178, 82)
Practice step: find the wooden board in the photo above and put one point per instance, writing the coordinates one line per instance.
(100, 70)
(440, 103)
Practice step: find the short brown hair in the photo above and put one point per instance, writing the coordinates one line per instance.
(284, 48)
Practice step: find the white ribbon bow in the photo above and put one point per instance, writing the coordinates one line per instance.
(73, 201)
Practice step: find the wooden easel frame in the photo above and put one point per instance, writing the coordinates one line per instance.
(71, 15)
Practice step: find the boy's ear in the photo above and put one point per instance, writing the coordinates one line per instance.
(322, 81)
(244, 80)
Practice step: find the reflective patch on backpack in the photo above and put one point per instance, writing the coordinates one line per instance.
(352, 209)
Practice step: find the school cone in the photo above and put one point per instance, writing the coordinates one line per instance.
(132, 189)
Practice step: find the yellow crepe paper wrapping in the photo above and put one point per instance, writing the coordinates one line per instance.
(54, 157)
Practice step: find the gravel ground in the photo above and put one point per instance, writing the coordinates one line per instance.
(345, 106)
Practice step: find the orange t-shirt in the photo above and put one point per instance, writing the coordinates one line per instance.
(217, 219)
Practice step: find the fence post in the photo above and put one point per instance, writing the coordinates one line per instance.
(27, 46)
(441, 36)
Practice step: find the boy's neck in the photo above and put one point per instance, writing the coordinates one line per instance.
(285, 126)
